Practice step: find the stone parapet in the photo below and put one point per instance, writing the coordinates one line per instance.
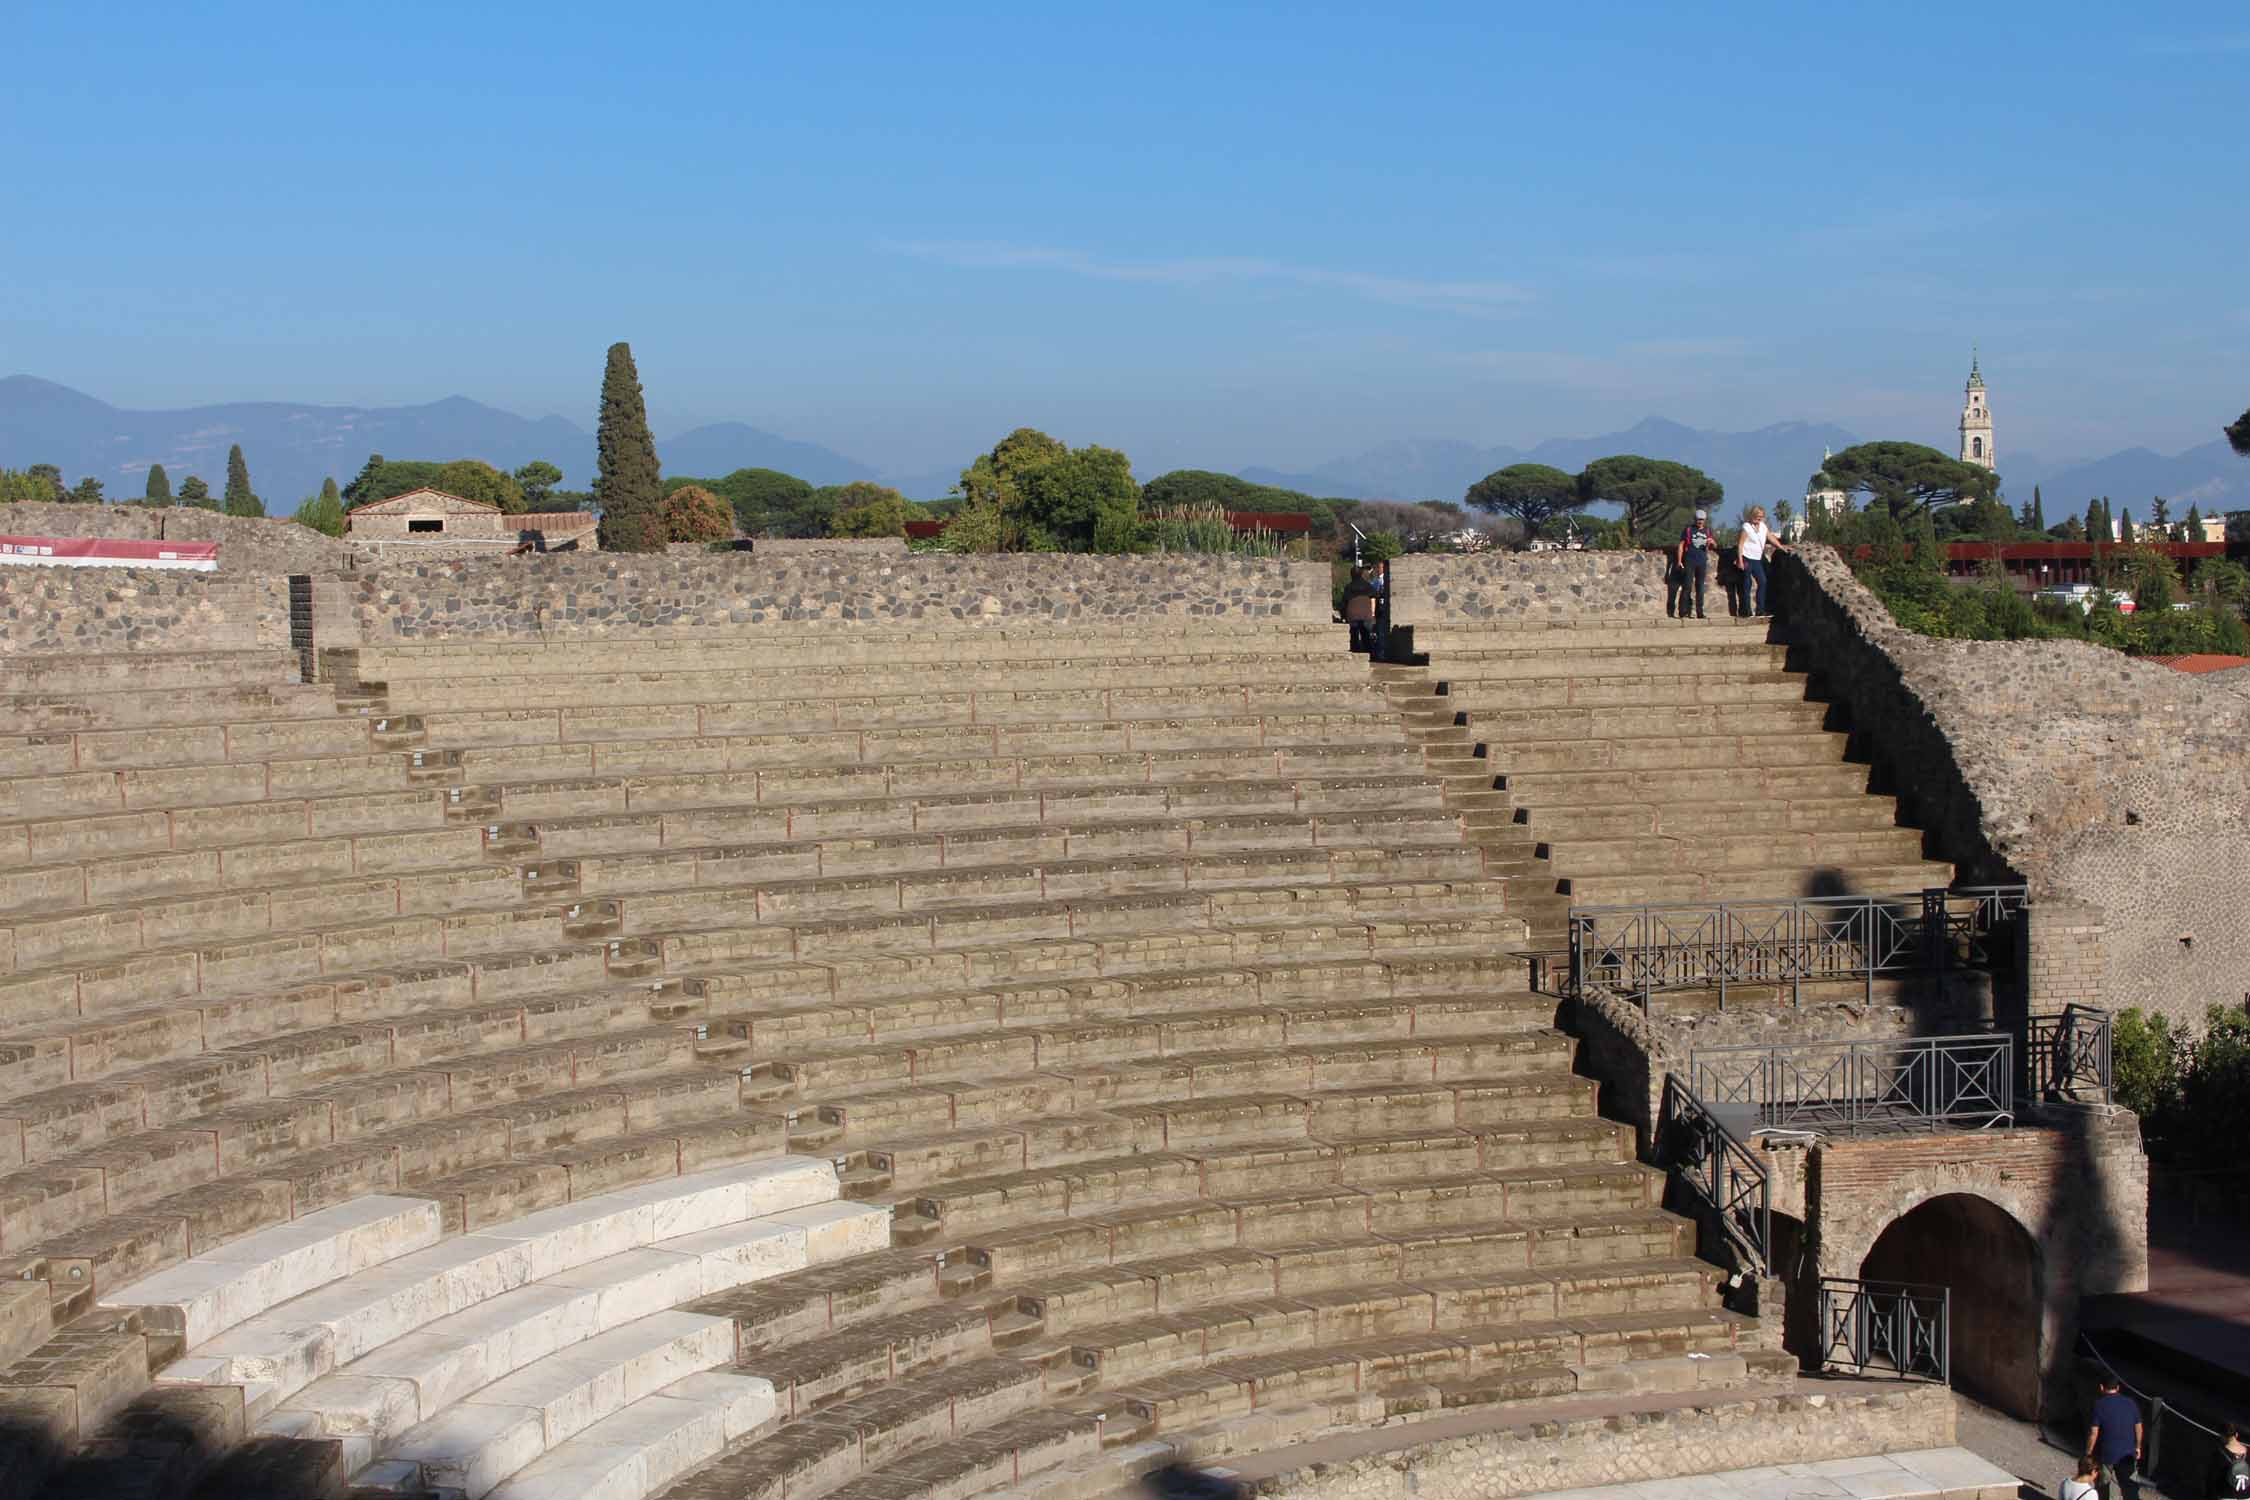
(611, 595)
(1526, 588)
(107, 610)
(256, 545)
(2098, 779)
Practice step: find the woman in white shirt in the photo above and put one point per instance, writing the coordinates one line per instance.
(2085, 1484)
(1751, 548)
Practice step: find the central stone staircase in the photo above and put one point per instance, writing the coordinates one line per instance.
(1150, 995)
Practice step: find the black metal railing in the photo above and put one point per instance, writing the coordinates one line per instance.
(1785, 943)
(1720, 1169)
(1887, 1328)
(1857, 1087)
(2067, 1056)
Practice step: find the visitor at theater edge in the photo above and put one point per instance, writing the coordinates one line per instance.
(1359, 610)
(2113, 1440)
(2083, 1484)
(1380, 578)
(1693, 555)
(2230, 1476)
(1751, 547)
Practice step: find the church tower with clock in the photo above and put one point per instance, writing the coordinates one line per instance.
(1976, 423)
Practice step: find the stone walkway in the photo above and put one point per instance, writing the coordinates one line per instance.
(1953, 1473)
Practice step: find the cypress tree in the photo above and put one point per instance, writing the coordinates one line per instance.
(359, 491)
(2038, 510)
(2125, 532)
(2195, 523)
(240, 500)
(159, 491)
(2094, 532)
(626, 482)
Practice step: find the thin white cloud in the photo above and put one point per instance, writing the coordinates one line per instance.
(1477, 297)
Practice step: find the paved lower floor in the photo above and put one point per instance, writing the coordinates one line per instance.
(1938, 1473)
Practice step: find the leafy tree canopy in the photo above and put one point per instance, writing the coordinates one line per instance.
(158, 490)
(474, 479)
(1532, 493)
(87, 491)
(870, 510)
(693, 514)
(2238, 434)
(1083, 500)
(195, 492)
(1906, 477)
(49, 478)
(17, 487)
(323, 512)
(1658, 495)
(766, 502)
(537, 480)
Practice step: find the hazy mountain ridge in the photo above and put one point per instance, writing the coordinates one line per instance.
(292, 446)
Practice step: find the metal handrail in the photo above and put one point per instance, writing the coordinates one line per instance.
(1900, 1327)
(1640, 950)
(1852, 1087)
(1720, 1168)
(2068, 1055)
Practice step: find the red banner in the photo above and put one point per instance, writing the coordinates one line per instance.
(108, 552)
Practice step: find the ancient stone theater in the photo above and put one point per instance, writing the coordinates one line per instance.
(898, 1026)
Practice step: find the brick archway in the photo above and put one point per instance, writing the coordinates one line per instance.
(1992, 1262)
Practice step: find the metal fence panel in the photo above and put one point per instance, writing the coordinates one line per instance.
(1879, 1327)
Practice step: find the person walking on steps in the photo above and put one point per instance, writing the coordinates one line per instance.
(1693, 555)
(2113, 1440)
(2082, 1485)
(1752, 548)
(1359, 611)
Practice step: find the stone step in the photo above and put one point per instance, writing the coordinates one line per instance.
(1716, 786)
(923, 707)
(1278, 1210)
(1718, 848)
(143, 747)
(135, 707)
(1652, 687)
(1509, 728)
(1654, 752)
(487, 1435)
(1588, 633)
(276, 1354)
(646, 1445)
(1817, 815)
(1524, 1362)
(1865, 878)
(862, 644)
(1679, 661)
(467, 690)
(52, 673)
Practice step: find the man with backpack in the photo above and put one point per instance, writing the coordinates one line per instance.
(2230, 1475)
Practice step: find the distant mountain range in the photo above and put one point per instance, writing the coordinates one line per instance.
(291, 447)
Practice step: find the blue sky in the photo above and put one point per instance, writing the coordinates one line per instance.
(1206, 233)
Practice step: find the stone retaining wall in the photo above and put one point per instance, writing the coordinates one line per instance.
(2100, 780)
(1590, 1451)
(1525, 588)
(609, 594)
(245, 545)
(105, 610)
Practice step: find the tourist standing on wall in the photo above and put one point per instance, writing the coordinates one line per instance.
(1755, 544)
(1359, 611)
(1382, 584)
(2113, 1440)
(1693, 555)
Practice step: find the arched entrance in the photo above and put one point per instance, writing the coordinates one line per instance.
(1992, 1266)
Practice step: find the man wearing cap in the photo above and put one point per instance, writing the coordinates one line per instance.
(1693, 554)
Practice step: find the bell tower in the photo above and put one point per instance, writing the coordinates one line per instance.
(1976, 422)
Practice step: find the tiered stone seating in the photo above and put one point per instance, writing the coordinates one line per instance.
(1144, 981)
(1650, 761)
